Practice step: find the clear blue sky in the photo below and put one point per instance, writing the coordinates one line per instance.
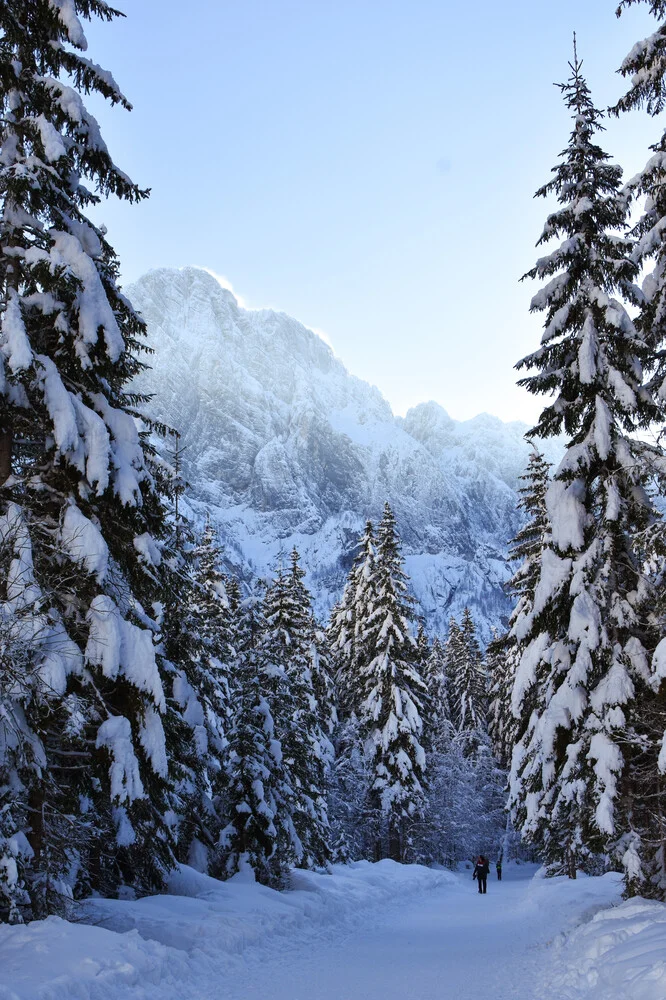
(367, 166)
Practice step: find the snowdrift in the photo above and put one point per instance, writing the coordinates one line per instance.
(178, 946)
(606, 949)
(620, 954)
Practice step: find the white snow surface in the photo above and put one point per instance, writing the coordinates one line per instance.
(286, 448)
(365, 932)
(84, 542)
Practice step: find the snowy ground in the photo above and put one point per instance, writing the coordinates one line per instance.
(368, 932)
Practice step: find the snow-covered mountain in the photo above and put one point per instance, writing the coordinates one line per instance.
(285, 447)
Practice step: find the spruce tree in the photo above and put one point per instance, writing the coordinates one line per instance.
(340, 636)
(437, 683)
(353, 823)
(454, 657)
(84, 775)
(199, 638)
(181, 655)
(287, 641)
(438, 732)
(390, 717)
(345, 627)
(211, 607)
(253, 780)
(500, 667)
(467, 676)
(503, 652)
(527, 546)
(476, 699)
(422, 646)
(422, 650)
(324, 688)
(585, 641)
(645, 67)
(273, 639)
(306, 744)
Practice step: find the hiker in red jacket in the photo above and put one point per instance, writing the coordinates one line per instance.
(481, 872)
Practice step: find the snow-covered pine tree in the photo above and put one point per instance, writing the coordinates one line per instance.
(84, 764)
(199, 638)
(500, 668)
(287, 648)
(349, 804)
(437, 683)
(345, 643)
(250, 838)
(324, 689)
(645, 64)
(527, 546)
(306, 746)
(454, 656)
(272, 640)
(645, 67)
(453, 806)
(216, 634)
(390, 717)
(467, 677)
(340, 636)
(422, 646)
(237, 615)
(422, 657)
(504, 651)
(430, 841)
(253, 775)
(181, 656)
(586, 639)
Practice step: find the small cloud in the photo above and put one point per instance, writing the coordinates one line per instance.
(443, 165)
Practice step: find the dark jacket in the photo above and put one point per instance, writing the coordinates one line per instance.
(481, 870)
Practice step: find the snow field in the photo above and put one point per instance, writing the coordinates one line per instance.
(184, 945)
(366, 932)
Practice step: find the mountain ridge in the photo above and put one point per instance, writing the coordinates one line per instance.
(284, 446)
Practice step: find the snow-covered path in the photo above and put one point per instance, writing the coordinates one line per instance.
(448, 944)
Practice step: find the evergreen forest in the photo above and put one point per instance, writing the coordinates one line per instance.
(155, 709)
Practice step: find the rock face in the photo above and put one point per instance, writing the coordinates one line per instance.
(285, 447)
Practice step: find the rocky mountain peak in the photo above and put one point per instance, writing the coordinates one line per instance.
(285, 447)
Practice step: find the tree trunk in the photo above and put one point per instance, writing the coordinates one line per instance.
(6, 441)
(36, 834)
(571, 863)
(395, 847)
(38, 889)
(661, 853)
(7, 431)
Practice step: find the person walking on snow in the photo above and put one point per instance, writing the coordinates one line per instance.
(481, 872)
(498, 866)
